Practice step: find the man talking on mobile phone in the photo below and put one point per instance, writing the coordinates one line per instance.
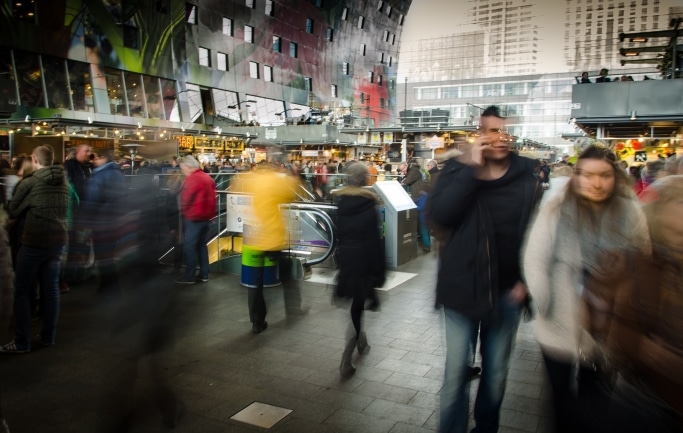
(483, 201)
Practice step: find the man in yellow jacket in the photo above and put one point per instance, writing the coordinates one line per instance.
(266, 231)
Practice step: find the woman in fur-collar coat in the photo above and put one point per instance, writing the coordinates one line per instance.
(360, 255)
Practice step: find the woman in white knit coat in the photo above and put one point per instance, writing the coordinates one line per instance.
(573, 238)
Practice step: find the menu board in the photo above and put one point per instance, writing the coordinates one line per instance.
(393, 195)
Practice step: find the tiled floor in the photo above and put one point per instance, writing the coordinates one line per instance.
(218, 367)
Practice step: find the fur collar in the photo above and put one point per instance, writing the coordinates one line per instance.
(355, 191)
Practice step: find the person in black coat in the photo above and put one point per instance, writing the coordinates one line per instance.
(360, 256)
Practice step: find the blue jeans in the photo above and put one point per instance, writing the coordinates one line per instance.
(42, 265)
(497, 332)
(196, 236)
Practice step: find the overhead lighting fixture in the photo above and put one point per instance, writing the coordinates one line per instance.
(631, 53)
(89, 119)
(633, 115)
(639, 39)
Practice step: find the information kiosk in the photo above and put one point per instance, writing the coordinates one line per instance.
(400, 223)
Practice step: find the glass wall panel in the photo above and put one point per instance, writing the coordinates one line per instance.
(194, 101)
(56, 83)
(153, 95)
(115, 92)
(6, 68)
(30, 79)
(263, 111)
(223, 100)
(135, 94)
(81, 86)
(170, 97)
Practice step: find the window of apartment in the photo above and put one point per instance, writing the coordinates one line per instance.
(249, 34)
(381, 57)
(362, 49)
(379, 80)
(293, 50)
(277, 44)
(389, 11)
(221, 61)
(329, 36)
(393, 39)
(400, 20)
(386, 36)
(270, 9)
(381, 102)
(253, 69)
(267, 73)
(204, 57)
(190, 13)
(251, 4)
(333, 91)
(131, 37)
(391, 61)
(345, 13)
(309, 25)
(227, 26)
(371, 77)
(308, 84)
(380, 5)
(361, 21)
(361, 97)
(345, 68)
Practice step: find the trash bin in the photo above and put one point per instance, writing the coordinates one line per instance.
(252, 261)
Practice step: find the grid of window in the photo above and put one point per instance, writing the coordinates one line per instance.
(190, 13)
(268, 73)
(380, 5)
(362, 49)
(345, 13)
(389, 11)
(277, 44)
(221, 61)
(361, 21)
(204, 57)
(333, 91)
(379, 80)
(393, 39)
(227, 26)
(386, 36)
(329, 36)
(309, 25)
(345, 68)
(391, 61)
(381, 57)
(251, 4)
(308, 83)
(270, 8)
(253, 70)
(249, 34)
(371, 77)
(293, 50)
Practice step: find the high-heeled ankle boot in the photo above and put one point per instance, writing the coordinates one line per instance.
(362, 343)
(347, 369)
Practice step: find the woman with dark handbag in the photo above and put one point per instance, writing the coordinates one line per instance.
(360, 256)
(597, 213)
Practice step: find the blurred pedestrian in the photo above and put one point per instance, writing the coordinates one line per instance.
(596, 215)
(266, 232)
(360, 256)
(484, 199)
(102, 208)
(174, 218)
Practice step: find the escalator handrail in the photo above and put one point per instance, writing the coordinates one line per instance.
(315, 209)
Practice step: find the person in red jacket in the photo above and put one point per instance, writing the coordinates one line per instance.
(197, 206)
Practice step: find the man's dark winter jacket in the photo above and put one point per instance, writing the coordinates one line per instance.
(43, 198)
(468, 267)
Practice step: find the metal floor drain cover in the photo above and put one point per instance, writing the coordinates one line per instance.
(261, 414)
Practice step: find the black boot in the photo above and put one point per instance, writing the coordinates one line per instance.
(347, 369)
(362, 343)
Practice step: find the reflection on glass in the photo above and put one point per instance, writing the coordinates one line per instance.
(135, 94)
(81, 86)
(29, 76)
(170, 98)
(56, 83)
(6, 69)
(194, 102)
(115, 92)
(222, 100)
(265, 111)
(151, 85)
